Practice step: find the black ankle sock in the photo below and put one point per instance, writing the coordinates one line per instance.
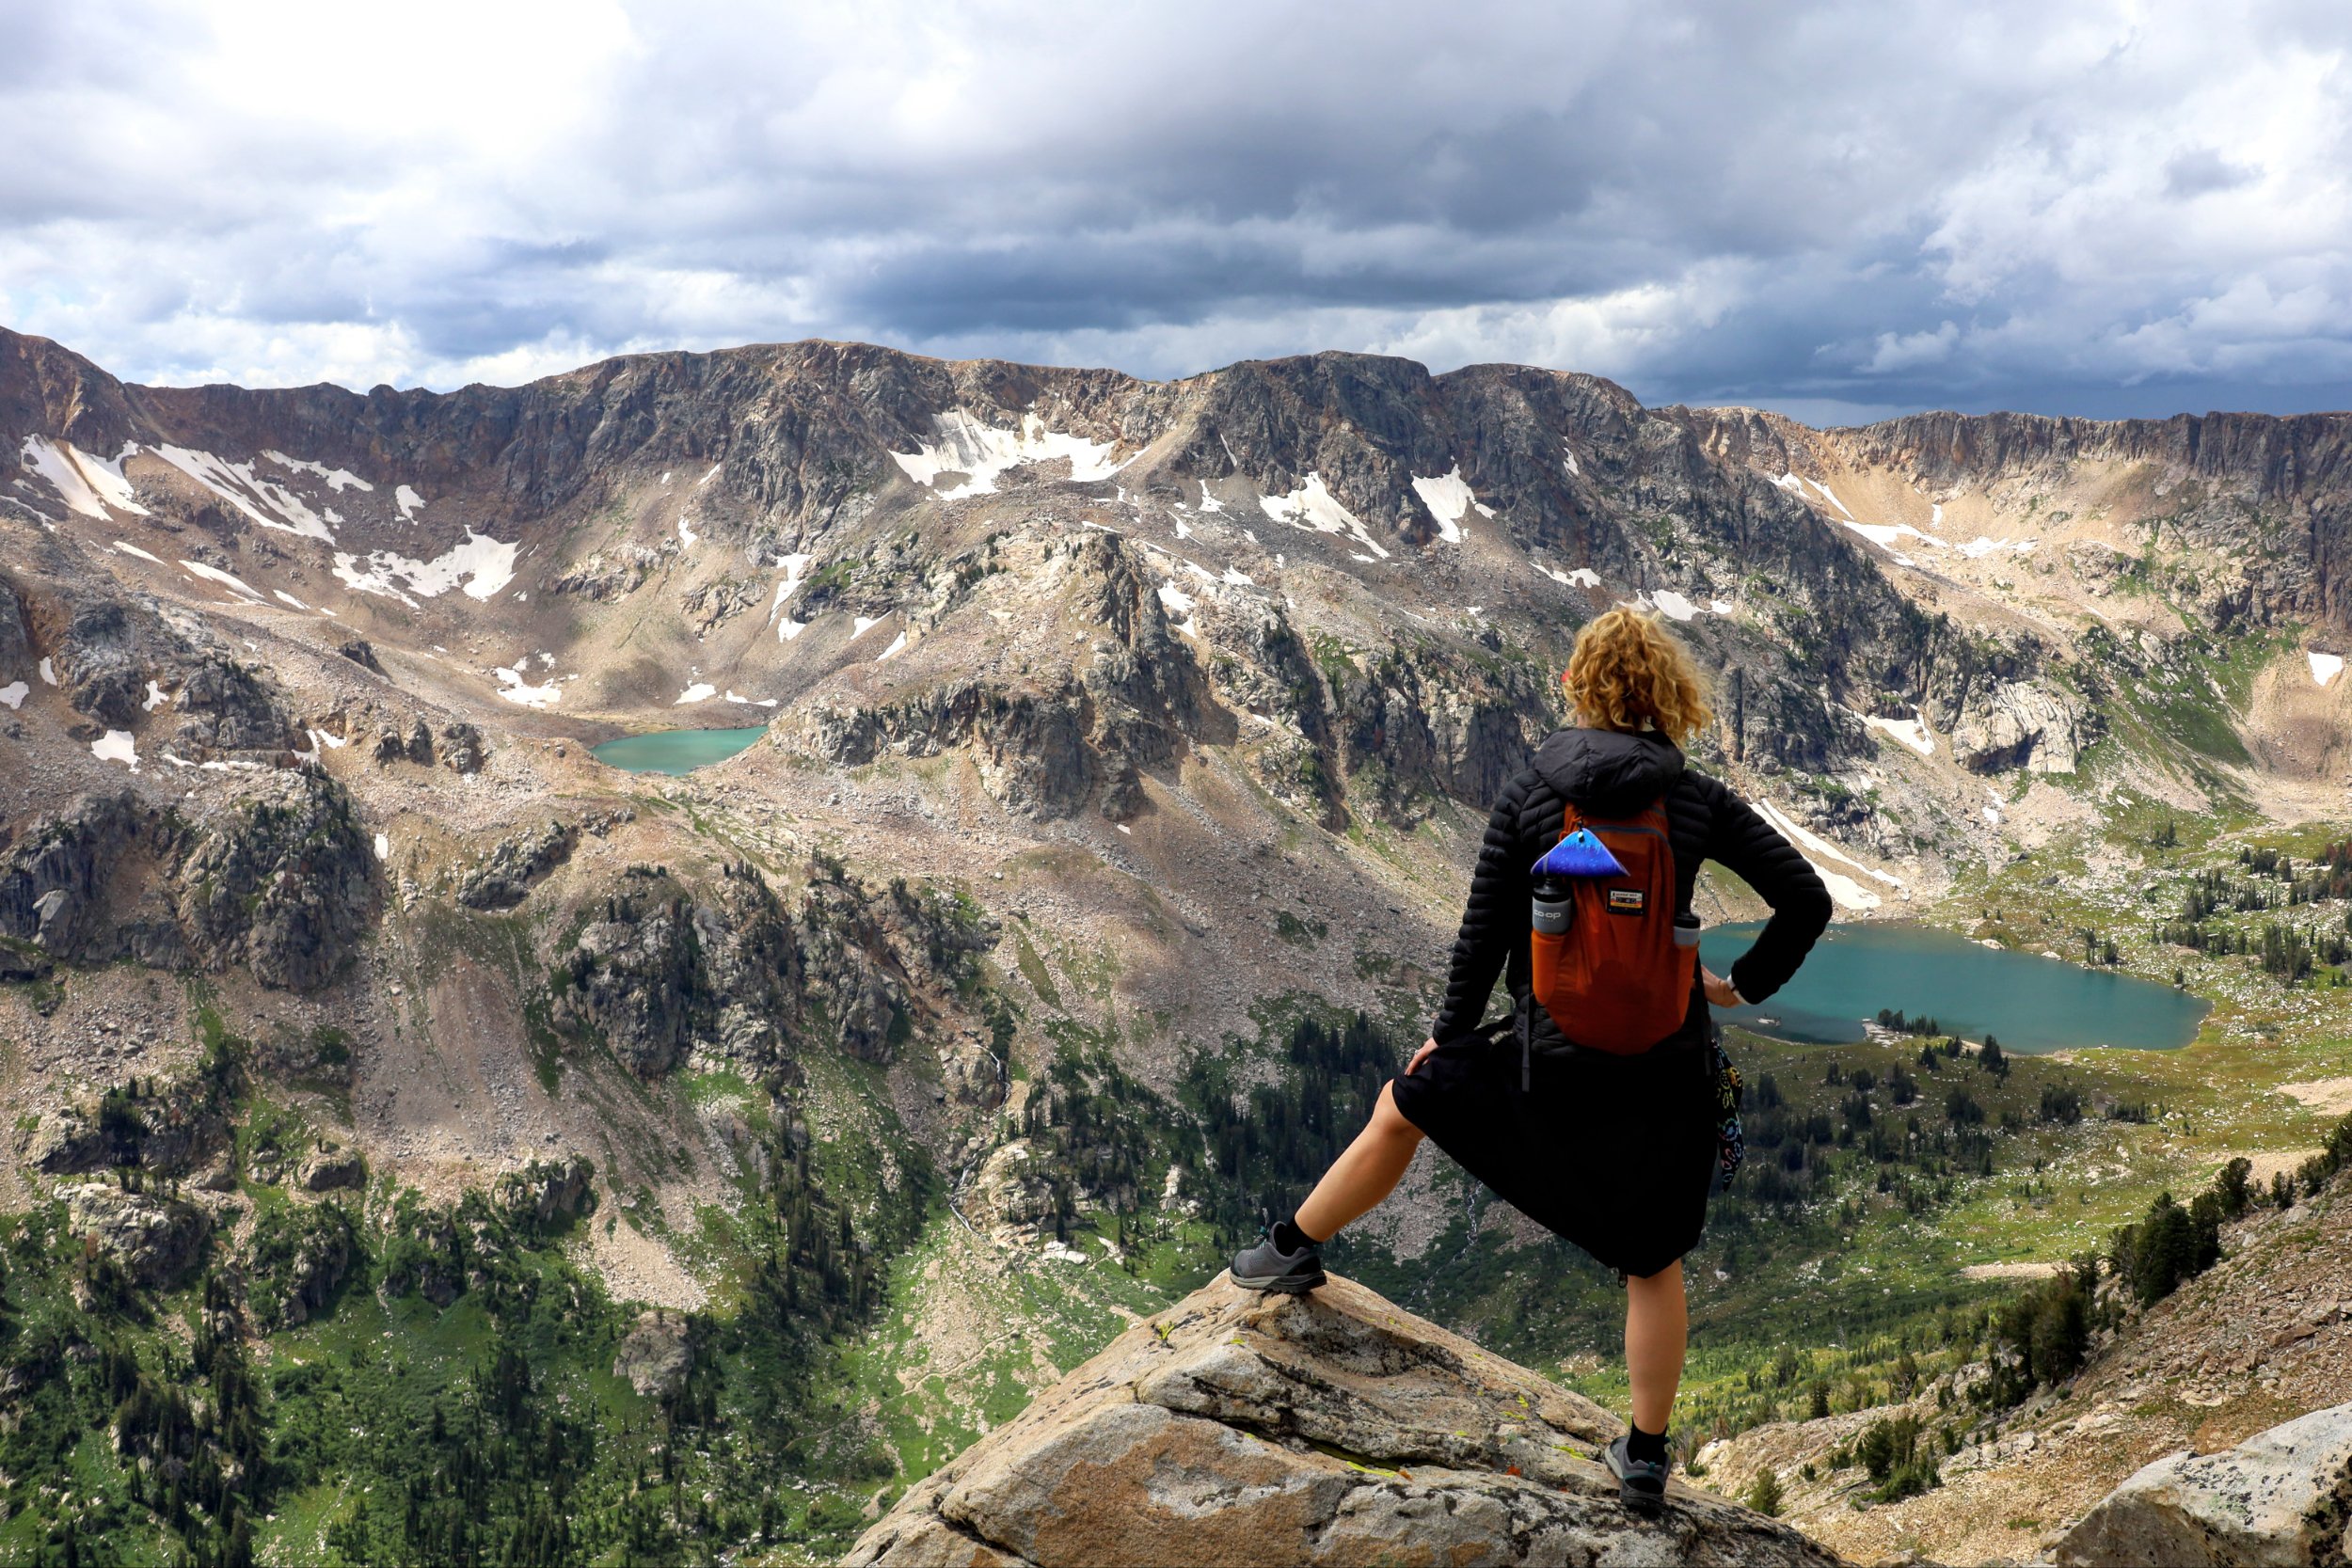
(1290, 1238)
(1647, 1447)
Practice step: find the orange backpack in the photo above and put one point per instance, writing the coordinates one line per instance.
(1615, 980)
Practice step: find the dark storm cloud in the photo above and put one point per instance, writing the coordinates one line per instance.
(1837, 209)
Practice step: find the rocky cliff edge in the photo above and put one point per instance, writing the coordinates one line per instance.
(1335, 1429)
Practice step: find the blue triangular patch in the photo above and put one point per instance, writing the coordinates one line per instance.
(1579, 854)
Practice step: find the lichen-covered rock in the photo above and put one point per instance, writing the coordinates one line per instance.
(1330, 1429)
(657, 1353)
(157, 1239)
(2281, 1500)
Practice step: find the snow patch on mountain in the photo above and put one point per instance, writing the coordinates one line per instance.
(487, 565)
(980, 454)
(1449, 499)
(235, 484)
(234, 584)
(1848, 893)
(793, 567)
(86, 484)
(1179, 605)
(1912, 732)
(2326, 667)
(1313, 509)
(338, 480)
(1980, 547)
(515, 689)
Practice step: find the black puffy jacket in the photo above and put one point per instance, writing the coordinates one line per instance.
(1610, 774)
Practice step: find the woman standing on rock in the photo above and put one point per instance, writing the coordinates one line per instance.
(1600, 1118)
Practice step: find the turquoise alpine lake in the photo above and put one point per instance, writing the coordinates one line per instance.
(675, 750)
(2028, 1003)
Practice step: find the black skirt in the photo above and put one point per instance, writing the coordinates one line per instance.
(1613, 1153)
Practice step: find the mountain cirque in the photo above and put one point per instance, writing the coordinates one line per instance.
(1101, 714)
(1100, 654)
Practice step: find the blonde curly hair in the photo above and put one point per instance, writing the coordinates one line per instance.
(1629, 673)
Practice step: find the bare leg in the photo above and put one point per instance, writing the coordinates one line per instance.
(1366, 1171)
(1656, 1329)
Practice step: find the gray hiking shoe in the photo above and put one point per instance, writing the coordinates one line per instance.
(1641, 1484)
(1267, 1267)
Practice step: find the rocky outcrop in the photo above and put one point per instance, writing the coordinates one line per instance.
(333, 1168)
(545, 1194)
(2281, 1500)
(282, 881)
(729, 971)
(1334, 1428)
(657, 1353)
(156, 1240)
(165, 1128)
(298, 1259)
(462, 749)
(502, 878)
(630, 976)
(226, 710)
(2020, 725)
(16, 642)
(284, 884)
(1045, 745)
(65, 883)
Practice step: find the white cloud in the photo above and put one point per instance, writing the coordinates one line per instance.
(1710, 201)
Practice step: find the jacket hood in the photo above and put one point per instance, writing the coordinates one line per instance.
(1608, 773)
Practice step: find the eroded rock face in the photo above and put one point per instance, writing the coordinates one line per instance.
(283, 882)
(2020, 725)
(1331, 1428)
(504, 877)
(2281, 1500)
(546, 1193)
(658, 1352)
(156, 1240)
(286, 884)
